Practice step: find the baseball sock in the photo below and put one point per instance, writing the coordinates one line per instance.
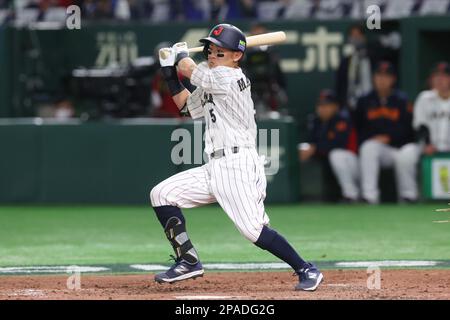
(174, 224)
(276, 244)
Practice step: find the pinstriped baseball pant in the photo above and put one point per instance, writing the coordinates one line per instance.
(236, 181)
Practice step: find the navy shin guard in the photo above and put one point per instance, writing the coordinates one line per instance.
(174, 226)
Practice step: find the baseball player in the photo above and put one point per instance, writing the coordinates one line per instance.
(332, 141)
(384, 124)
(234, 174)
(432, 112)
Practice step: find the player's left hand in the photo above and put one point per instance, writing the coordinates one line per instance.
(429, 149)
(181, 51)
(167, 57)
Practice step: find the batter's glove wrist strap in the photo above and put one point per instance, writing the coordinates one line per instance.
(171, 76)
(181, 56)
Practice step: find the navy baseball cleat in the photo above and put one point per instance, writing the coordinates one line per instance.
(181, 270)
(310, 277)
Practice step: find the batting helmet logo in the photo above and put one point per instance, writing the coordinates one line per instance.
(218, 31)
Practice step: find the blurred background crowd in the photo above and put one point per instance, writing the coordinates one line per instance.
(214, 10)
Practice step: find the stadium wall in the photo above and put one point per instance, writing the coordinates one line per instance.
(120, 162)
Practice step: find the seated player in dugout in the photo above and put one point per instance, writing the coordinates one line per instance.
(432, 112)
(234, 175)
(332, 139)
(383, 120)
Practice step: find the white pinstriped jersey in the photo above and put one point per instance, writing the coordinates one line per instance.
(223, 97)
(434, 112)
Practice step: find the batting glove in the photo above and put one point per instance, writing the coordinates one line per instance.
(167, 57)
(181, 50)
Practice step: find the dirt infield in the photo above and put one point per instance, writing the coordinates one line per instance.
(338, 284)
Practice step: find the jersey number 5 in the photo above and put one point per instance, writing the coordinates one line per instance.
(213, 116)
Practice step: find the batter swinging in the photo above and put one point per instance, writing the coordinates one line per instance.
(234, 175)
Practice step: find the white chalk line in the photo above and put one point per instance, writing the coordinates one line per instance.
(386, 263)
(52, 269)
(215, 266)
(281, 266)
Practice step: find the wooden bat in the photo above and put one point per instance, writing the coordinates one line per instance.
(257, 40)
(269, 38)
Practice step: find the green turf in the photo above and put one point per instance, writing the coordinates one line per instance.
(108, 235)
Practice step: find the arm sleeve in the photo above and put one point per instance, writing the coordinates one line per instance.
(216, 80)
(194, 104)
(423, 134)
(419, 115)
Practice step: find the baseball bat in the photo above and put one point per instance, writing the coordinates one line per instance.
(257, 40)
(269, 38)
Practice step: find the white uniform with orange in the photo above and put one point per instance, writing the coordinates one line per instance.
(233, 177)
(434, 112)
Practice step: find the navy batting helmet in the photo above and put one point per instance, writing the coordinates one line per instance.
(226, 36)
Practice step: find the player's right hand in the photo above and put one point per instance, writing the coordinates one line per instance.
(167, 57)
(181, 51)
